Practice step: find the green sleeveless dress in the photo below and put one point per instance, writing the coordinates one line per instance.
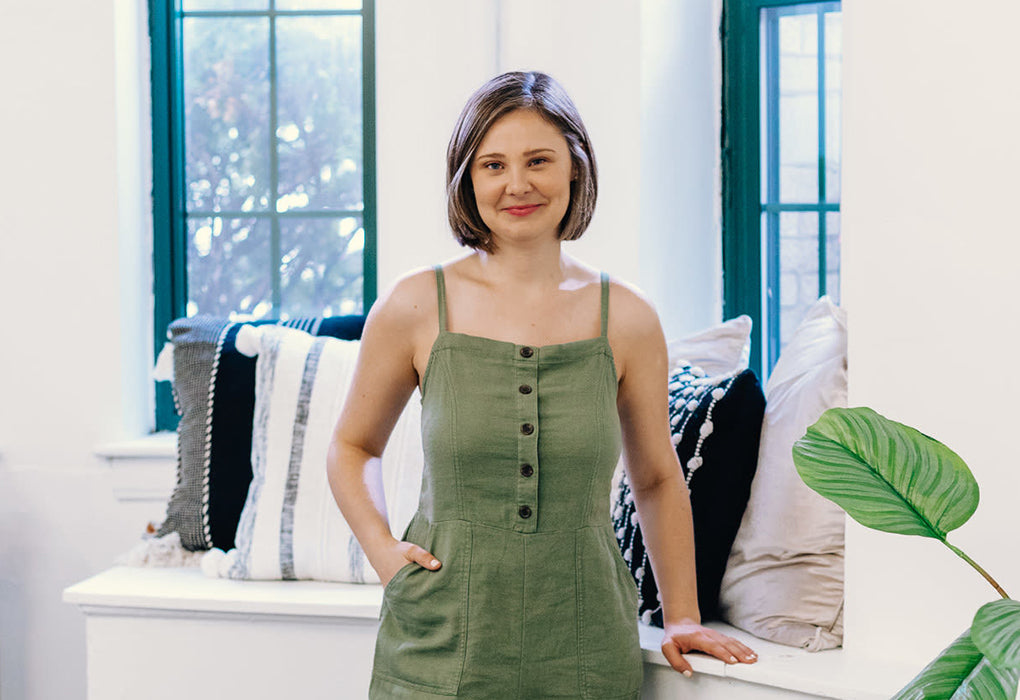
(533, 599)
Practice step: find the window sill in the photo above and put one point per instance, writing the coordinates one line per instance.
(143, 469)
(187, 593)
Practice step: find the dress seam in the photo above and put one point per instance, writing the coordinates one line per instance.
(582, 675)
(414, 686)
(598, 452)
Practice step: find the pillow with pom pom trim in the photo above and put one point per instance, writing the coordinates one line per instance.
(715, 425)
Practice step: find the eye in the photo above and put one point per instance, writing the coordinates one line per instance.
(493, 165)
(539, 161)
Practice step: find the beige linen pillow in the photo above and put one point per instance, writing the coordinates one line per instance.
(784, 577)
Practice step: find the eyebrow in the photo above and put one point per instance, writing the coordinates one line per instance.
(527, 153)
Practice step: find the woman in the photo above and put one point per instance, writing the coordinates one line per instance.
(508, 582)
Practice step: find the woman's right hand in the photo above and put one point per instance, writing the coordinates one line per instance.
(401, 554)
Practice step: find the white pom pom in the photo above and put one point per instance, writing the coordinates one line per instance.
(706, 428)
(697, 372)
(620, 533)
(163, 370)
(633, 518)
(658, 596)
(676, 439)
(692, 405)
(693, 463)
(211, 562)
(639, 573)
(627, 555)
(227, 562)
(718, 393)
(675, 420)
(248, 339)
(629, 498)
(646, 617)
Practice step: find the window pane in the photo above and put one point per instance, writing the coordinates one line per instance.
(833, 106)
(320, 272)
(319, 131)
(798, 108)
(832, 257)
(798, 264)
(318, 4)
(228, 268)
(226, 98)
(189, 5)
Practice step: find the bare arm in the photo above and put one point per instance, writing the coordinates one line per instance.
(384, 378)
(660, 494)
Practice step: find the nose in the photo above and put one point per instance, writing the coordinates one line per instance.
(518, 181)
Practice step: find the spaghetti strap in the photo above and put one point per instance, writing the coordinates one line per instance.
(441, 295)
(605, 302)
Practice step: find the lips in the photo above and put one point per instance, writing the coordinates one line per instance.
(522, 210)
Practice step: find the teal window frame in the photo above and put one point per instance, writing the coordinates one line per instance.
(168, 173)
(742, 205)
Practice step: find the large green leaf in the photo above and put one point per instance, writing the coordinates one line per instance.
(961, 672)
(996, 632)
(886, 475)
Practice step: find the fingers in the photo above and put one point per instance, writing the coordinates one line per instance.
(422, 556)
(676, 659)
(728, 649)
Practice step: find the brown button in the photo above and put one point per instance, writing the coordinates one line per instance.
(527, 352)
(524, 512)
(524, 388)
(527, 428)
(527, 470)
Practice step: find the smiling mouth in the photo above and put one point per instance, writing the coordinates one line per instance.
(522, 211)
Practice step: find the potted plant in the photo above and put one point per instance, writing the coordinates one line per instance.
(893, 478)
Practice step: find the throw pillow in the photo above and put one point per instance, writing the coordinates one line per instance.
(291, 527)
(214, 392)
(715, 424)
(720, 350)
(784, 578)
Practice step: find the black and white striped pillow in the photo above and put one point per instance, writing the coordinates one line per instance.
(214, 392)
(291, 527)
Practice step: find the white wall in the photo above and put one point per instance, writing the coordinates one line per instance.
(931, 243)
(75, 265)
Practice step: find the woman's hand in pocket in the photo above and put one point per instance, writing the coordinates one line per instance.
(402, 554)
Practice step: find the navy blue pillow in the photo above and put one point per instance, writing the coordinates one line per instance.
(214, 392)
(716, 428)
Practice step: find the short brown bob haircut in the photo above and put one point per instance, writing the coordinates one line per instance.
(498, 97)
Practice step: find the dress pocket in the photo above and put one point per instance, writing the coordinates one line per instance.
(401, 572)
(423, 621)
(611, 663)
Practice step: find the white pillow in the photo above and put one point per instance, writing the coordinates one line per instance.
(784, 577)
(718, 350)
(291, 526)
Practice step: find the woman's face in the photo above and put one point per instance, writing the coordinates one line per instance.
(521, 176)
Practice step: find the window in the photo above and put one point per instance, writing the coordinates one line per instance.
(263, 161)
(781, 164)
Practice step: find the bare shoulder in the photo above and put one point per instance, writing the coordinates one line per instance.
(635, 331)
(404, 309)
(631, 313)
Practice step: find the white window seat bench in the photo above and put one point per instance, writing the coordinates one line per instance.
(171, 633)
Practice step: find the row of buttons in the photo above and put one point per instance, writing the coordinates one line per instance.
(526, 429)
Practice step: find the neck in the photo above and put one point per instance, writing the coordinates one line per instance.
(538, 262)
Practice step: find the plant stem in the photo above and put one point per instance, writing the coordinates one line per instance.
(959, 553)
